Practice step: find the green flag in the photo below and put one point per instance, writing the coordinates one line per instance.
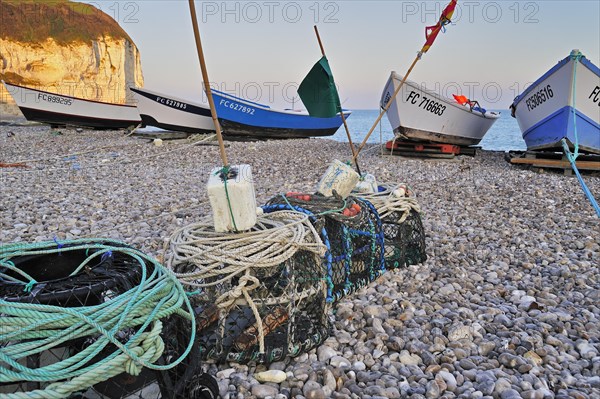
(318, 92)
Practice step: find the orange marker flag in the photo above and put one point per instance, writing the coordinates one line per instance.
(462, 100)
(431, 32)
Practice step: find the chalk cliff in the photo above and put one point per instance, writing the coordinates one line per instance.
(68, 48)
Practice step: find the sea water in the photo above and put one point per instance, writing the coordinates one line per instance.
(504, 135)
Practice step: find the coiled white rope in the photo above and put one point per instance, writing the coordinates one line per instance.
(275, 239)
(219, 257)
(395, 198)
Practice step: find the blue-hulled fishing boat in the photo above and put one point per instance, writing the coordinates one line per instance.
(239, 117)
(563, 103)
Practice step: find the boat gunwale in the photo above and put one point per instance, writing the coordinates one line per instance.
(488, 114)
(66, 96)
(584, 61)
(169, 97)
(269, 109)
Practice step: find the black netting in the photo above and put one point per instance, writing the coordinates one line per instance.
(258, 296)
(355, 241)
(40, 276)
(405, 239)
(290, 300)
(402, 226)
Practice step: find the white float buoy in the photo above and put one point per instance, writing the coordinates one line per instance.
(339, 177)
(367, 185)
(232, 199)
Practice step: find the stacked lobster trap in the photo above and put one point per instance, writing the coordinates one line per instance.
(352, 232)
(258, 295)
(94, 319)
(400, 215)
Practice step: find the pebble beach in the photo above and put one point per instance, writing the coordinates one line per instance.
(506, 306)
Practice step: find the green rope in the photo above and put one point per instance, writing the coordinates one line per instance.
(28, 329)
(30, 285)
(316, 214)
(225, 172)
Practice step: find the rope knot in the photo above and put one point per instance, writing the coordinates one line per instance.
(30, 285)
(228, 299)
(131, 366)
(151, 348)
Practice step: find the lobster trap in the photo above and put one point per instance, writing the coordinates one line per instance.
(402, 226)
(353, 233)
(259, 295)
(92, 319)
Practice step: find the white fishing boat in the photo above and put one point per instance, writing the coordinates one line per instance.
(418, 114)
(59, 110)
(563, 103)
(172, 113)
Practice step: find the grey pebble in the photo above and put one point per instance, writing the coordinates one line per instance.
(506, 303)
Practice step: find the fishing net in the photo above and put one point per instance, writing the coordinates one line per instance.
(352, 232)
(258, 295)
(400, 215)
(91, 319)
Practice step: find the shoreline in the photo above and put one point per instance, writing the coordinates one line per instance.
(499, 239)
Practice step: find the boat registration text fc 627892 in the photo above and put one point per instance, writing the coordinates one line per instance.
(237, 107)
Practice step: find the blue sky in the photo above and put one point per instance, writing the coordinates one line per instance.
(263, 49)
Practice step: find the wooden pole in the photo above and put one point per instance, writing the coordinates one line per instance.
(387, 106)
(319, 40)
(354, 153)
(213, 111)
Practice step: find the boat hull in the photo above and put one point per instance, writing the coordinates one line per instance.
(241, 117)
(59, 110)
(240, 130)
(421, 115)
(547, 111)
(171, 113)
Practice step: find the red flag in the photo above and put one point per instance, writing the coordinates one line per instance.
(431, 32)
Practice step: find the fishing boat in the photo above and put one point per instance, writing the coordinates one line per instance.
(418, 114)
(562, 104)
(172, 113)
(59, 110)
(239, 117)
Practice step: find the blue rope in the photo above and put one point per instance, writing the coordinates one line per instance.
(58, 244)
(584, 187)
(572, 157)
(380, 236)
(106, 255)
